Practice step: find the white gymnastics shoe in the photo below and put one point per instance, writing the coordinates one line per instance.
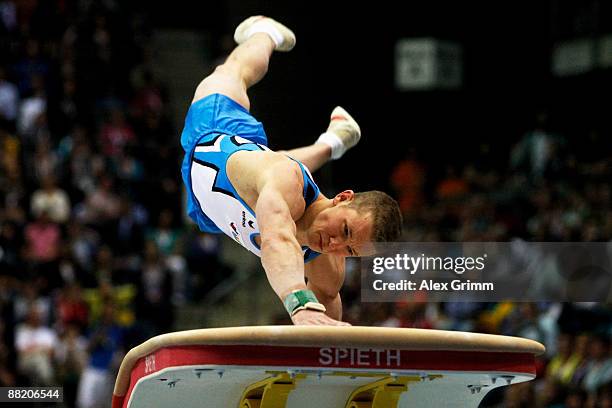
(281, 35)
(342, 133)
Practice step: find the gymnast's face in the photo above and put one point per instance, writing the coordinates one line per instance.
(342, 229)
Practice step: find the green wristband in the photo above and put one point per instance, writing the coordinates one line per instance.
(300, 300)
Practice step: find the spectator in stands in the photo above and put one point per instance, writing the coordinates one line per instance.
(8, 377)
(539, 151)
(31, 67)
(408, 181)
(71, 357)
(68, 106)
(203, 249)
(32, 117)
(129, 170)
(30, 296)
(46, 162)
(52, 200)
(43, 240)
(116, 134)
(71, 309)
(84, 165)
(581, 354)
(105, 268)
(35, 344)
(148, 98)
(10, 148)
(155, 292)
(452, 186)
(414, 314)
(525, 322)
(11, 243)
(83, 243)
(121, 296)
(105, 342)
(102, 207)
(129, 229)
(167, 238)
(9, 99)
(169, 242)
(562, 366)
(599, 368)
(55, 99)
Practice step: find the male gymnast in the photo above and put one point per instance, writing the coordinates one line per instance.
(267, 201)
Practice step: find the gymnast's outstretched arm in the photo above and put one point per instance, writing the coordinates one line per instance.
(279, 203)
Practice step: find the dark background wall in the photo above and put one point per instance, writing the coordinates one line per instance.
(344, 55)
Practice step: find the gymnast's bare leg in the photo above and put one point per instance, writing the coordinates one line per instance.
(258, 38)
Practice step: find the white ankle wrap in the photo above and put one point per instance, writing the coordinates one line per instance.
(267, 28)
(333, 141)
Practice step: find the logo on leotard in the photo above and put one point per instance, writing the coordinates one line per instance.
(245, 222)
(234, 232)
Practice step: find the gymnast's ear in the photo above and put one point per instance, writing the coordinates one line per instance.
(344, 197)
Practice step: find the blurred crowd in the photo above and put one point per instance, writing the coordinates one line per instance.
(549, 187)
(95, 256)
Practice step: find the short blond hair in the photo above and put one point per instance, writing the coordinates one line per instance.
(386, 214)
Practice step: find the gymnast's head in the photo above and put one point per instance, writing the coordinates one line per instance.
(353, 222)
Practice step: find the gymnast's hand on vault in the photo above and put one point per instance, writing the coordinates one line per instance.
(315, 318)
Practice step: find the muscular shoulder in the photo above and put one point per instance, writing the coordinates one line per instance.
(250, 172)
(259, 168)
(285, 176)
(252, 166)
